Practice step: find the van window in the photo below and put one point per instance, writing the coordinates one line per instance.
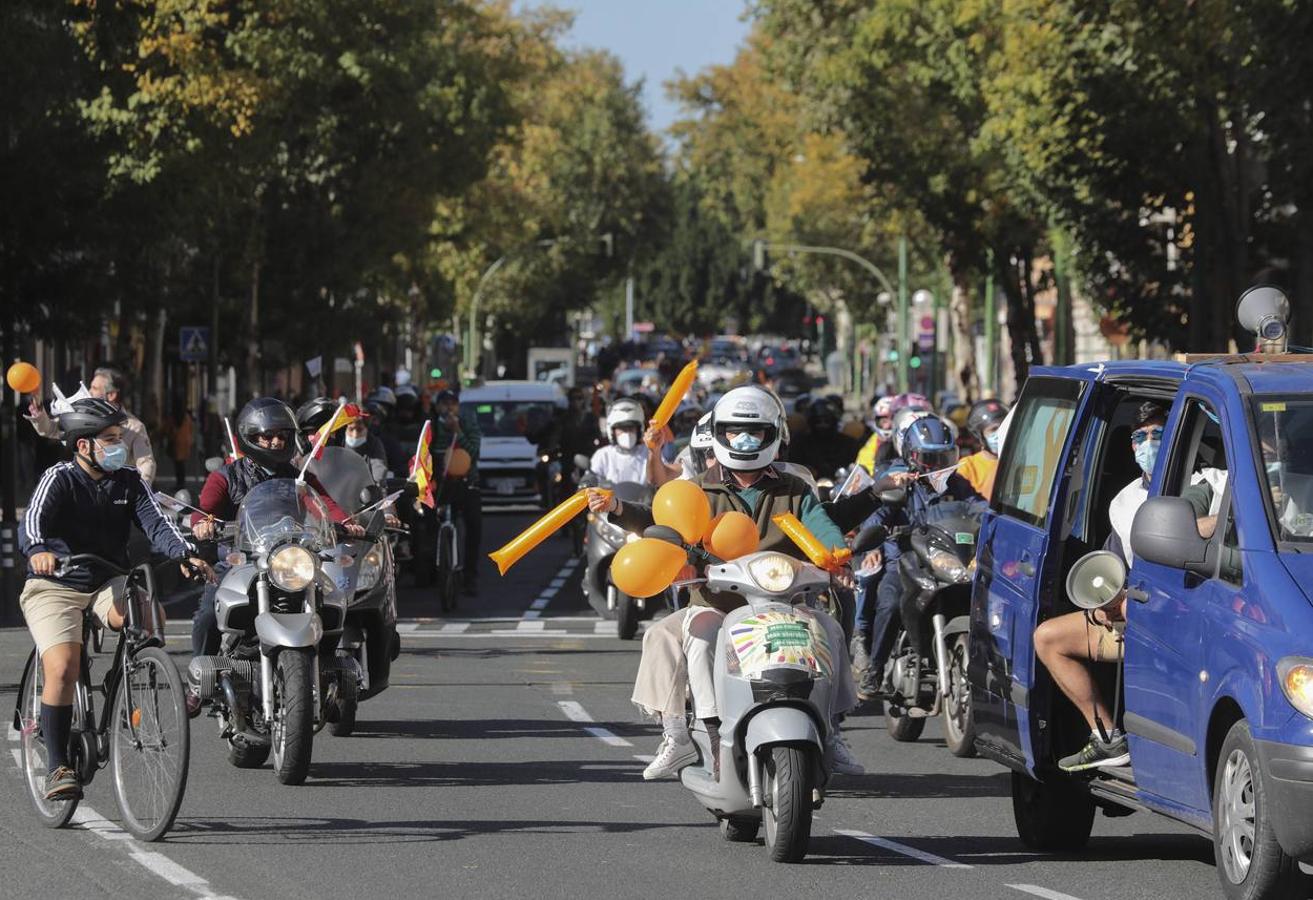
(1199, 472)
(1032, 456)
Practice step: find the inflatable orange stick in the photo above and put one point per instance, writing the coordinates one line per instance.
(539, 531)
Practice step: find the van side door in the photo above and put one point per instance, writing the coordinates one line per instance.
(1015, 537)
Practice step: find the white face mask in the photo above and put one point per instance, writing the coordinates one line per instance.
(626, 440)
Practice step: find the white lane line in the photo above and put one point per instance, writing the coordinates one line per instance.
(562, 688)
(156, 863)
(1037, 891)
(18, 757)
(610, 629)
(407, 627)
(540, 603)
(530, 624)
(529, 614)
(557, 583)
(903, 849)
(453, 628)
(575, 712)
(644, 757)
(571, 564)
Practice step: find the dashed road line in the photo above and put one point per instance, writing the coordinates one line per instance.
(454, 628)
(575, 712)
(903, 850)
(1036, 891)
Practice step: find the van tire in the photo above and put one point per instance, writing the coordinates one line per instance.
(1052, 815)
(1240, 797)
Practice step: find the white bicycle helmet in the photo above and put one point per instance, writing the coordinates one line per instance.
(742, 409)
(623, 412)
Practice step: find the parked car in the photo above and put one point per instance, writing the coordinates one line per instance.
(1217, 684)
(513, 416)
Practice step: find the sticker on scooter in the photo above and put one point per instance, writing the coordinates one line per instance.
(965, 537)
(780, 640)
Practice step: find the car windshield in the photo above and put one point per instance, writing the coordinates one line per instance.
(512, 418)
(279, 510)
(1285, 434)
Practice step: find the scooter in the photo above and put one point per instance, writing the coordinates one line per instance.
(601, 543)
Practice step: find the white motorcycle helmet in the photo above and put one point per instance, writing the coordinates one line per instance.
(903, 418)
(745, 409)
(624, 412)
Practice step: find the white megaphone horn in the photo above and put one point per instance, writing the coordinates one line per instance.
(1096, 579)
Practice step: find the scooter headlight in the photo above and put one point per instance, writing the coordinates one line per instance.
(948, 566)
(292, 567)
(773, 572)
(1296, 674)
(371, 567)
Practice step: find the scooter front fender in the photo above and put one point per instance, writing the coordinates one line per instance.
(781, 725)
(278, 630)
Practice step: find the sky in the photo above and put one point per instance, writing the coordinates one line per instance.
(656, 38)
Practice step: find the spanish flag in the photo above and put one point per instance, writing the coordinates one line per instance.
(421, 466)
(342, 417)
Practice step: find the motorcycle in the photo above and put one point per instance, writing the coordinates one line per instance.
(370, 642)
(601, 544)
(936, 567)
(280, 615)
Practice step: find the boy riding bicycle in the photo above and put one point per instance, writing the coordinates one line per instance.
(84, 506)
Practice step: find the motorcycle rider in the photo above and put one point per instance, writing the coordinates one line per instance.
(626, 457)
(266, 436)
(381, 405)
(824, 448)
(106, 384)
(985, 422)
(928, 448)
(84, 506)
(451, 423)
(882, 421)
(678, 653)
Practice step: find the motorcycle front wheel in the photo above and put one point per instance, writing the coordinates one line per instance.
(626, 616)
(959, 724)
(294, 715)
(788, 817)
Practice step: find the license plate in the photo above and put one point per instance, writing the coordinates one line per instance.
(506, 486)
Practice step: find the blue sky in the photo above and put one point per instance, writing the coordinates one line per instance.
(656, 38)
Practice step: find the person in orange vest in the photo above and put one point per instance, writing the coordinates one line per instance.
(984, 422)
(882, 432)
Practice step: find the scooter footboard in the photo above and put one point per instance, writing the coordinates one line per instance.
(781, 724)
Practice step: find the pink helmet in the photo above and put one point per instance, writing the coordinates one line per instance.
(884, 406)
(909, 401)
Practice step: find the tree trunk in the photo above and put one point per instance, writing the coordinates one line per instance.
(962, 314)
(254, 375)
(1023, 341)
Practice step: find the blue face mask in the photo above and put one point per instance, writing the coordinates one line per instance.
(994, 441)
(356, 442)
(113, 457)
(745, 442)
(1146, 454)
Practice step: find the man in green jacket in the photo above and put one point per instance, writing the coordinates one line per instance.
(679, 652)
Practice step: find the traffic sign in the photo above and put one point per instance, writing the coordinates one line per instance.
(193, 344)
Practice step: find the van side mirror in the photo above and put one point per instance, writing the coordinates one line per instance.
(1165, 532)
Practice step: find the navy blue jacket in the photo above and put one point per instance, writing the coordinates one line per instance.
(71, 513)
(920, 497)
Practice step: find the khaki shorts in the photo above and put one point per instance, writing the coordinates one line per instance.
(1109, 643)
(54, 612)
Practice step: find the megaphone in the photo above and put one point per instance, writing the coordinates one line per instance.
(1264, 311)
(1096, 579)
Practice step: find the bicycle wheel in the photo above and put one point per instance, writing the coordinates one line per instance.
(53, 813)
(150, 744)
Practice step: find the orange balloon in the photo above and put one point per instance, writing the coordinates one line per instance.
(23, 377)
(682, 505)
(646, 567)
(731, 535)
(460, 464)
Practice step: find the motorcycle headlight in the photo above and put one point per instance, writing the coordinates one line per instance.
(948, 566)
(292, 567)
(773, 572)
(371, 567)
(1296, 675)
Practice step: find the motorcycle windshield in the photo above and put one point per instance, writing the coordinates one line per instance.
(779, 640)
(279, 510)
(344, 473)
(958, 521)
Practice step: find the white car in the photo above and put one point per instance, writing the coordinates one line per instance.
(513, 415)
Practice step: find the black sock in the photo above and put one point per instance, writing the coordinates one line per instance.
(56, 723)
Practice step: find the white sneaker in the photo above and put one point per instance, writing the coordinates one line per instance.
(842, 760)
(671, 756)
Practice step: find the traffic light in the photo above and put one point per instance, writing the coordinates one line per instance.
(914, 362)
(892, 356)
(435, 372)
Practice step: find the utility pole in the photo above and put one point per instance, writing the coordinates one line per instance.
(904, 349)
(991, 326)
(629, 308)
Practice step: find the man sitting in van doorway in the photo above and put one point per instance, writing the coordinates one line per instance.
(1067, 644)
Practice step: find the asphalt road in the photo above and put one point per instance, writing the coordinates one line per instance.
(505, 761)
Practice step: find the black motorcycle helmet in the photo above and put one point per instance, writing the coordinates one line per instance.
(312, 414)
(90, 416)
(929, 445)
(985, 413)
(821, 417)
(265, 415)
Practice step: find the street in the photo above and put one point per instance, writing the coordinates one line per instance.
(505, 761)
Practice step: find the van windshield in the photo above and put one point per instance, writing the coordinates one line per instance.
(512, 418)
(1285, 433)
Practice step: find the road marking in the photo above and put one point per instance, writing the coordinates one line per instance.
(530, 624)
(540, 603)
(905, 850)
(575, 712)
(548, 593)
(647, 758)
(605, 627)
(407, 627)
(1037, 891)
(558, 582)
(531, 614)
(562, 688)
(454, 628)
(18, 757)
(156, 863)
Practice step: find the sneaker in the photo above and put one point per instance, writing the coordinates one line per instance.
(62, 784)
(859, 655)
(870, 687)
(842, 760)
(672, 756)
(1098, 755)
(193, 701)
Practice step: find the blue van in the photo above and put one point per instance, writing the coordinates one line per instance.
(1216, 689)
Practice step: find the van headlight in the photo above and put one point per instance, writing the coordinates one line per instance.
(292, 567)
(371, 567)
(948, 566)
(773, 572)
(1296, 674)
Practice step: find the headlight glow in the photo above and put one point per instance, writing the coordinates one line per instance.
(1296, 674)
(773, 572)
(371, 567)
(946, 565)
(292, 567)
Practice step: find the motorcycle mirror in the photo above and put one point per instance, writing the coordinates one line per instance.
(370, 494)
(214, 463)
(895, 497)
(1096, 579)
(664, 533)
(869, 539)
(582, 461)
(409, 488)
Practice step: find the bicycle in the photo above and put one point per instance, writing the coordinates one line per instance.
(450, 538)
(149, 749)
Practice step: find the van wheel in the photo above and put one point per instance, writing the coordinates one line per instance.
(901, 727)
(1250, 861)
(1051, 815)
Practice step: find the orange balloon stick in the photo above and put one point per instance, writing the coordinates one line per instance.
(539, 531)
(801, 535)
(678, 389)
